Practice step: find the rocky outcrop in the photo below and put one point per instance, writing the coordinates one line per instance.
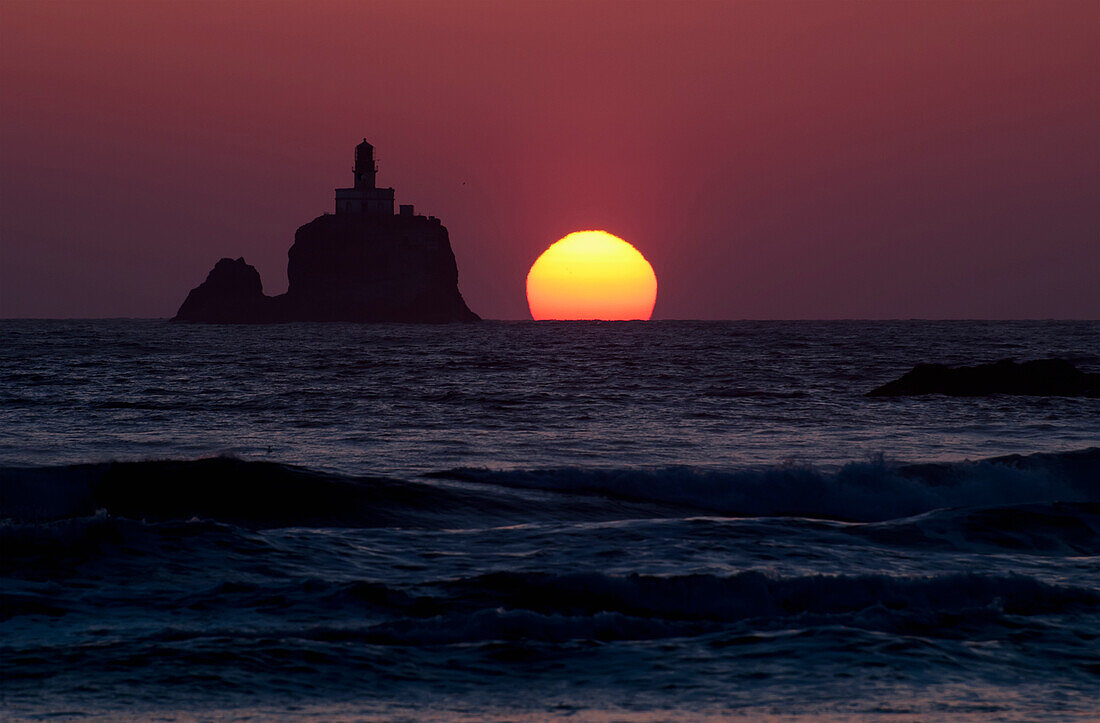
(232, 293)
(361, 267)
(1043, 377)
(347, 267)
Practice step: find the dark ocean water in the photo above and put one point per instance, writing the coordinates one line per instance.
(601, 521)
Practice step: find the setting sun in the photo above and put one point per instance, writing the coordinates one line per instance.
(591, 275)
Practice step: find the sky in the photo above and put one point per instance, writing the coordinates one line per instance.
(772, 160)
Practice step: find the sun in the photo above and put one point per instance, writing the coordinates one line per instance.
(591, 275)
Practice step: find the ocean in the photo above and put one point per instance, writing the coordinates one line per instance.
(634, 521)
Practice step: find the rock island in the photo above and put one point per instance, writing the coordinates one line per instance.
(362, 264)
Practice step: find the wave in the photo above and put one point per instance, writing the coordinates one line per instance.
(554, 606)
(1062, 528)
(57, 548)
(266, 494)
(871, 491)
(230, 490)
(753, 595)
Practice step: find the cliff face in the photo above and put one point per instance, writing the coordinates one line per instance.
(360, 267)
(346, 267)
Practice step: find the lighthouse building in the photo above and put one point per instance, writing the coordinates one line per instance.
(364, 197)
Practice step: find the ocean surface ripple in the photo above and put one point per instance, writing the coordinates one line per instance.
(524, 521)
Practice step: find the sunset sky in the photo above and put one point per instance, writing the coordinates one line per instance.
(770, 159)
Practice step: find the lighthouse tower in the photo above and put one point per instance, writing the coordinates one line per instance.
(365, 167)
(364, 197)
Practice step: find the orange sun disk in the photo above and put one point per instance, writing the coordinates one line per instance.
(591, 275)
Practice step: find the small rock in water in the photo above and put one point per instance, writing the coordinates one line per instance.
(1041, 377)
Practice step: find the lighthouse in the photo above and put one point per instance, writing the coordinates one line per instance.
(365, 167)
(364, 196)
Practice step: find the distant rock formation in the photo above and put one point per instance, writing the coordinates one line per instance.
(232, 293)
(1043, 377)
(363, 264)
(362, 267)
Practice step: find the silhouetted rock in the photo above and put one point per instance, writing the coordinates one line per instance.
(373, 267)
(1043, 377)
(363, 264)
(231, 294)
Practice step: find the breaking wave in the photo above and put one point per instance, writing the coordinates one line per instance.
(266, 495)
(254, 494)
(872, 491)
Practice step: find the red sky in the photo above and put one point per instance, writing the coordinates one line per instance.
(771, 159)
